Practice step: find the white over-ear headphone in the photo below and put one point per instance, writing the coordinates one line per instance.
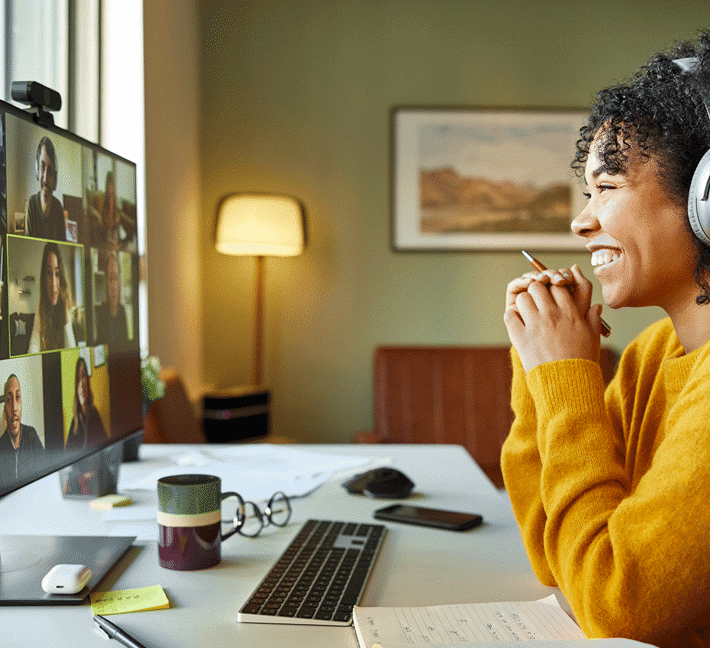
(699, 196)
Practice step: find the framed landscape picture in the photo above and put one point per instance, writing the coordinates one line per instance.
(484, 179)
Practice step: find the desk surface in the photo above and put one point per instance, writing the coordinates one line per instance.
(417, 566)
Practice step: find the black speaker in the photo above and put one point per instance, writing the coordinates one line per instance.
(236, 414)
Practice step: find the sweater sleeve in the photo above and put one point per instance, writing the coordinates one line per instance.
(631, 558)
(521, 467)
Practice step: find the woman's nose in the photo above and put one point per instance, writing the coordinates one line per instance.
(585, 222)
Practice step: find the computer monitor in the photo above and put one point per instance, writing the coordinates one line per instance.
(70, 365)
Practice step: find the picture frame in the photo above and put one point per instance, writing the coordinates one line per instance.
(484, 178)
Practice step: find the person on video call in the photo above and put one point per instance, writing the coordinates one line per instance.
(610, 488)
(110, 233)
(111, 315)
(52, 327)
(87, 428)
(45, 214)
(20, 442)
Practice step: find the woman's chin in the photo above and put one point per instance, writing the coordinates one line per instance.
(611, 298)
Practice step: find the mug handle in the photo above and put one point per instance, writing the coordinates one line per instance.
(234, 528)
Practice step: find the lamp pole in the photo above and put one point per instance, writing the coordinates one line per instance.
(258, 318)
(259, 225)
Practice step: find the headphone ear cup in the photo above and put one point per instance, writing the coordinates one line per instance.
(699, 200)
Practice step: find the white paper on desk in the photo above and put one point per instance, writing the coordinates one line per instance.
(256, 472)
(572, 643)
(144, 531)
(533, 624)
(479, 623)
(132, 513)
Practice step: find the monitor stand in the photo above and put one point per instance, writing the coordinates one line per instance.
(25, 559)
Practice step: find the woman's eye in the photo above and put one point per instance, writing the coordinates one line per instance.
(598, 188)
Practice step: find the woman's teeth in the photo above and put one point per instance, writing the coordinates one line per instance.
(603, 257)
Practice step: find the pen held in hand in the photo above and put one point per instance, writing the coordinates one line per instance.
(606, 329)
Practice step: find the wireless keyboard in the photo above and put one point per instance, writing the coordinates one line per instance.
(320, 576)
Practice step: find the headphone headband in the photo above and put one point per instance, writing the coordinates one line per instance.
(688, 65)
(699, 194)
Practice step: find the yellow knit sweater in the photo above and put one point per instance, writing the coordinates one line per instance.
(611, 489)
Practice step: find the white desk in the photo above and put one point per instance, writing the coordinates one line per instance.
(417, 566)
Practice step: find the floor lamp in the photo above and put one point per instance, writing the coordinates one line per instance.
(260, 225)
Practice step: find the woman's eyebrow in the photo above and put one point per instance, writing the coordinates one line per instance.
(602, 168)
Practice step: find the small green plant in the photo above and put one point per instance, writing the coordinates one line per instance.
(153, 386)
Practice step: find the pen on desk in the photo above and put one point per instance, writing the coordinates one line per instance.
(606, 329)
(114, 632)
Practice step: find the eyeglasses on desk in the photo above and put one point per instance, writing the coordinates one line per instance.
(250, 520)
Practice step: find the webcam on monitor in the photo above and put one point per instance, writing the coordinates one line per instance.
(40, 98)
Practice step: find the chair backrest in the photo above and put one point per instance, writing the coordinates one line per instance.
(449, 394)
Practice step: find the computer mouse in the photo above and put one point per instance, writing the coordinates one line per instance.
(381, 482)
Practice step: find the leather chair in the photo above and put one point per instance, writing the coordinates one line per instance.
(448, 394)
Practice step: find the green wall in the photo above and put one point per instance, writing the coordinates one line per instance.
(296, 98)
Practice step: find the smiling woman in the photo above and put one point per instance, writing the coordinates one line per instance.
(53, 325)
(609, 487)
(642, 252)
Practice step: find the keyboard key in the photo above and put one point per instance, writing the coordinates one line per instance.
(343, 615)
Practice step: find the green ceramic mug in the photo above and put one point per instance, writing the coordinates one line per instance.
(190, 521)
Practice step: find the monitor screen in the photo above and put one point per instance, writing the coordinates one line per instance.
(69, 340)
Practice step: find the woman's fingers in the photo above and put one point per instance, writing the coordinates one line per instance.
(560, 277)
(549, 317)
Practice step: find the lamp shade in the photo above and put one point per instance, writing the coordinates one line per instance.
(257, 224)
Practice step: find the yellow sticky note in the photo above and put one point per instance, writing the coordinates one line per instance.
(109, 501)
(132, 600)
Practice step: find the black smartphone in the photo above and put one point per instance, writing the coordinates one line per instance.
(438, 518)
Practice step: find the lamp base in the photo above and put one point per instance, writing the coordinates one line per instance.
(236, 414)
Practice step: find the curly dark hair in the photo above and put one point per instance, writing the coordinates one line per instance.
(660, 111)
